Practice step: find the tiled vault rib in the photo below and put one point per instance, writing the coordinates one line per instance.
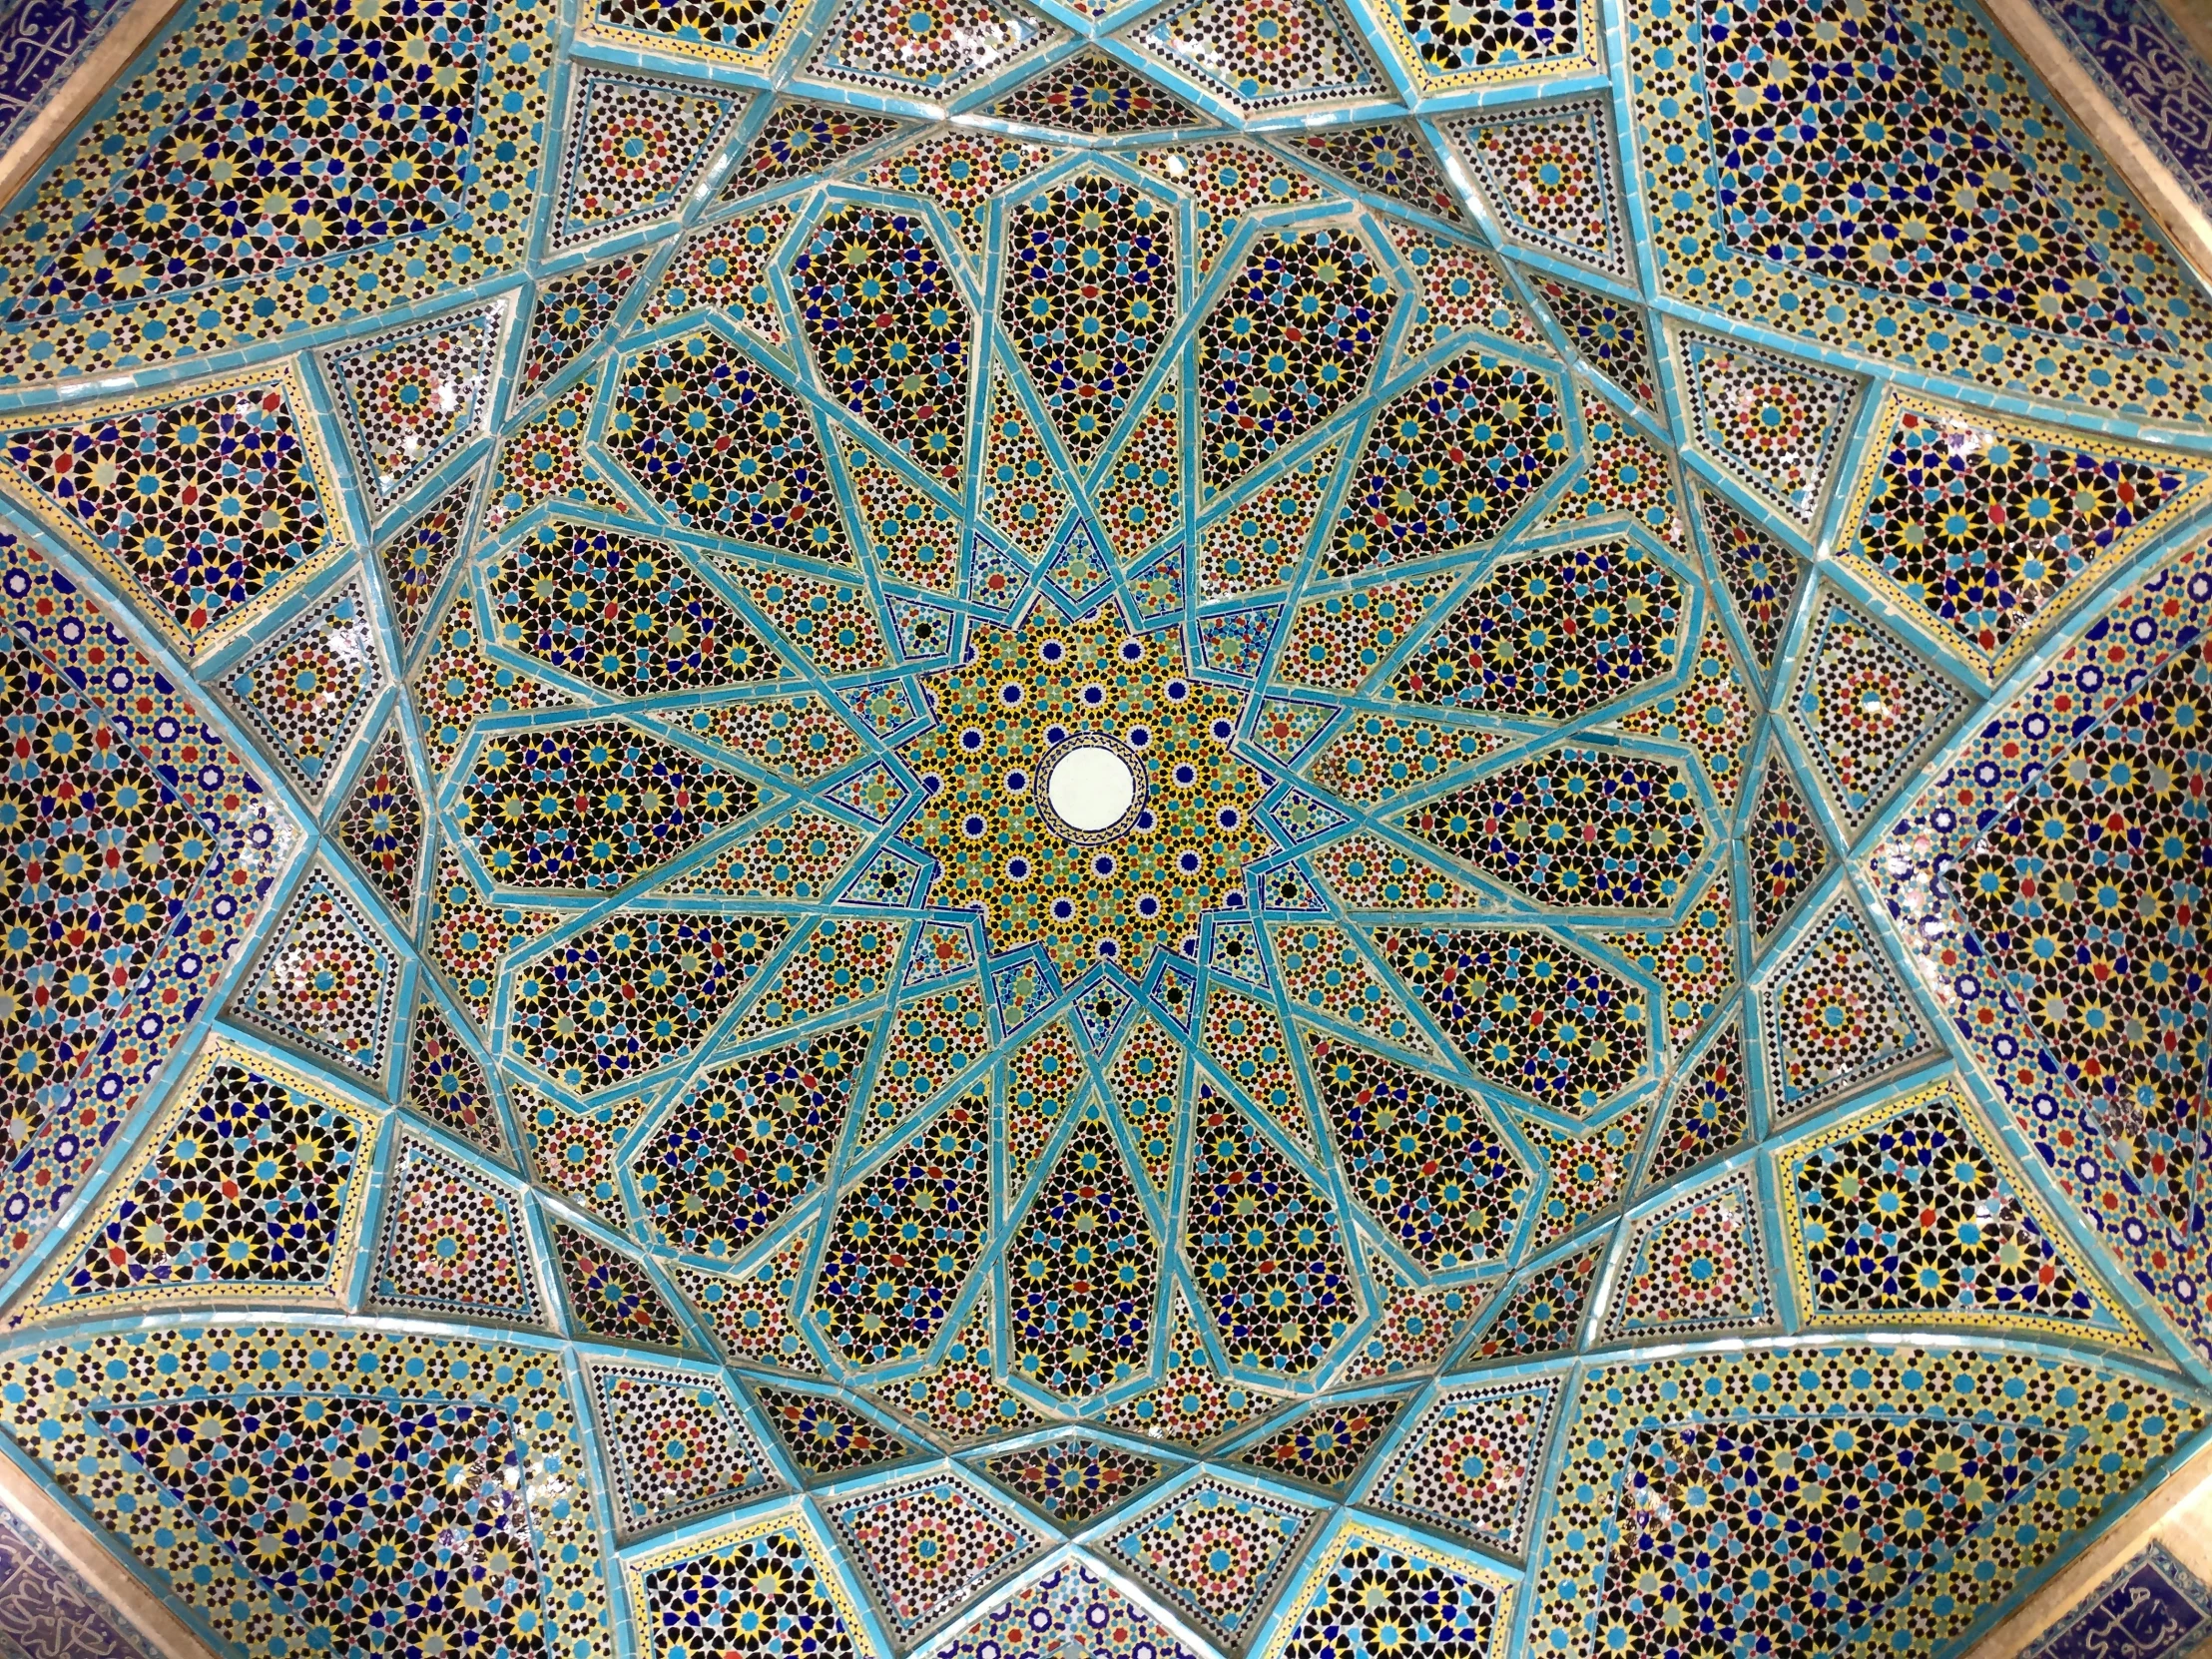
(1620, 1065)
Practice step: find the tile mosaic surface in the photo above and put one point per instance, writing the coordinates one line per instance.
(1179, 831)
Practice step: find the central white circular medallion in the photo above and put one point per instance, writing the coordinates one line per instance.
(1091, 787)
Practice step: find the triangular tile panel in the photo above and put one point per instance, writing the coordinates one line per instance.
(632, 147)
(1390, 158)
(1695, 1266)
(1784, 847)
(1076, 1479)
(802, 137)
(1867, 707)
(249, 1185)
(1270, 55)
(411, 399)
(676, 1443)
(244, 451)
(1778, 423)
(417, 556)
(610, 1297)
(1954, 1236)
(306, 693)
(1098, 95)
(1550, 176)
(879, 46)
(1612, 336)
(570, 313)
(1325, 1446)
(1216, 1552)
(1758, 571)
(1836, 1015)
(924, 1547)
(750, 1313)
(1708, 1114)
(1541, 1313)
(454, 1244)
(326, 981)
(446, 1082)
(1470, 1465)
(824, 1436)
(381, 826)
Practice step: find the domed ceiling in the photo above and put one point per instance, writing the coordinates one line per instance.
(1205, 830)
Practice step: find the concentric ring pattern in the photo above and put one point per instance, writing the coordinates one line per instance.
(1628, 1075)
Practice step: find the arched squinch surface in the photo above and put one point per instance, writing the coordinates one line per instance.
(785, 877)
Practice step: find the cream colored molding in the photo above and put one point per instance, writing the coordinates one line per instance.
(2110, 130)
(80, 92)
(2178, 1513)
(74, 1543)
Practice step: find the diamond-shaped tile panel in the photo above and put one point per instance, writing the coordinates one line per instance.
(326, 981)
(825, 1436)
(306, 693)
(1326, 1446)
(411, 399)
(926, 1547)
(676, 1445)
(446, 1082)
(1776, 422)
(1542, 1311)
(1075, 1479)
(1216, 1552)
(1096, 94)
(452, 1242)
(1550, 176)
(570, 313)
(802, 137)
(1757, 570)
(634, 146)
(1695, 1267)
(1784, 847)
(1390, 159)
(610, 1297)
(1869, 708)
(1470, 1464)
(1263, 55)
(1836, 1015)
(382, 824)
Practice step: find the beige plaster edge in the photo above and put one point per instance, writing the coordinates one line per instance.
(84, 87)
(2177, 1512)
(2194, 19)
(2110, 130)
(74, 1543)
